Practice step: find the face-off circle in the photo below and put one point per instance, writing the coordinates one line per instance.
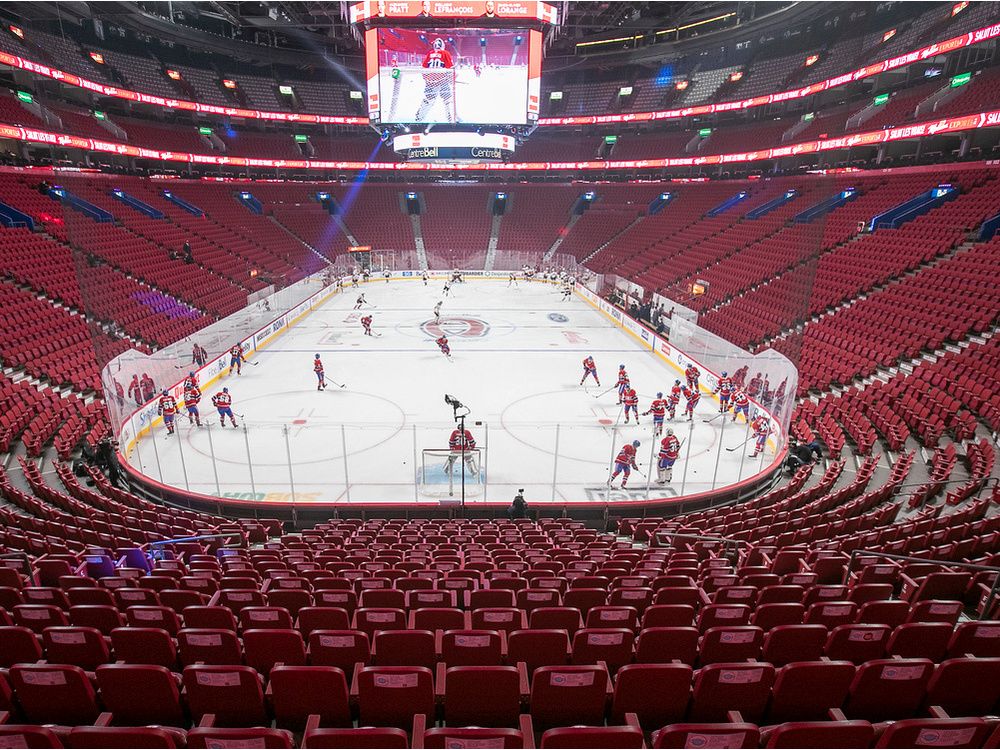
(458, 327)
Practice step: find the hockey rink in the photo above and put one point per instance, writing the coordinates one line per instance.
(517, 354)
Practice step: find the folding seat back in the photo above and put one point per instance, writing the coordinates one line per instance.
(737, 686)
(27, 735)
(788, 643)
(538, 648)
(886, 689)
(831, 614)
(584, 598)
(433, 598)
(707, 735)
(137, 695)
(489, 598)
(18, 645)
(593, 737)
(730, 644)
(472, 647)
(767, 616)
(162, 617)
(437, 618)
(442, 737)
(862, 593)
(208, 646)
(907, 733)
(209, 617)
(976, 638)
(691, 595)
(266, 647)
(362, 738)
(609, 616)
(290, 599)
(781, 594)
(339, 648)
(613, 646)
(37, 617)
(90, 595)
(391, 696)
(144, 646)
(721, 615)
(667, 615)
(920, 640)
(937, 585)
(735, 595)
(261, 618)
(322, 618)
(664, 645)
(370, 619)
(483, 696)
(555, 618)
(404, 648)
(233, 693)
(296, 692)
(212, 737)
(132, 597)
(568, 695)
(81, 647)
(336, 598)
(797, 734)
(806, 690)
(386, 598)
(857, 643)
(506, 619)
(54, 694)
(935, 610)
(891, 613)
(529, 598)
(657, 694)
(965, 687)
(99, 616)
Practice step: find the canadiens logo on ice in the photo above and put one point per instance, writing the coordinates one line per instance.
(470, 328)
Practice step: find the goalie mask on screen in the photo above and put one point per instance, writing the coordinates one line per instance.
(438, 44)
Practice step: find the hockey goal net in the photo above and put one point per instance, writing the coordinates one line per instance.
(423, 95)
(442, 471)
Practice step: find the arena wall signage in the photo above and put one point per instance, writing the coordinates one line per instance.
(979, 36)
(873, 138)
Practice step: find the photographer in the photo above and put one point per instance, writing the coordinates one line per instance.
(519, 507)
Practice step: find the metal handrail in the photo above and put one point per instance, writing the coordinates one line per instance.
(990, 599)
(177, 540)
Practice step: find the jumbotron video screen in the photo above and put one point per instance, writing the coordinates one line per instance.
(470, 76)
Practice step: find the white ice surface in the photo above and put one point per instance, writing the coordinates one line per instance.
(520, 379)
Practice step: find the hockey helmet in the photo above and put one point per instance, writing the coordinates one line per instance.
(317, 356)
(659, 394)
(225, 390)
(621, 367)
(677, 382)
(669, 432)
(724, 373)
(636, 443)
(165, 393)
(191, 374)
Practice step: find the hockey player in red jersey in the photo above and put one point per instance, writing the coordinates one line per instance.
(741, 404)
(192, 396)
(320, 376)
(168, 408)
(675, 398)
(693, 396)
(670, 448)
(442, 343)
(692, 374)
(658, 408)
(366, 322)
(191, 379)
(236, 359)
(725, 391)
(761, 429)
(623, 383)
(631, 404)
(461, 444)
(148, 387)
(436, 87)
(223, 403)
(589, 368)
(625, 462)
(135, 390)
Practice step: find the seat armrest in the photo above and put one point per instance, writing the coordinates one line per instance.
(104, 719)
(734, 717)
(440, 678)
(419, 726)
(527, 730)
(524, 688)
(207, 721)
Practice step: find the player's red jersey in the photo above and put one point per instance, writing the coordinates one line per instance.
(192, 395)
(442, 342)
(236, 352)
(631, 399)
(760, 425)
(588, 363)
(725, 385)
(740, 398)
(658, 407)
(692, 395)
(438, 58)
(460, 441)
(190, 381)
(622, 376)
(626, 455)
(222, 400)
(675, 393)
(167, 405)
(670, 447)
(367, 321)
(317, 365)
(692, 372)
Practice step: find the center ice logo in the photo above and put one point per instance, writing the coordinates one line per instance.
(470, 328)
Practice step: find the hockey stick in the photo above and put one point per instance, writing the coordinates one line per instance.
(598, 395)
(736, 447)
(720, 414)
